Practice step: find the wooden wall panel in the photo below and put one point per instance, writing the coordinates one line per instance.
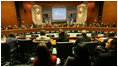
(109, 15)
(90, 12)
(9, 17)
(58, 3)
(25, 13)
(96, 12)
(3, 21)
(8, 13)
(27, 7)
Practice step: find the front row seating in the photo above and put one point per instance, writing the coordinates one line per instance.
(83, 54)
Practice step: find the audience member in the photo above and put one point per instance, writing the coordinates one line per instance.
(110, 35)
(57, 25)
(12, 41)
(9, 27)
(15, 27)
(62, 37)
(43, 38)
(44, 58)
(60, 30)
(81, 56)
(108, 58)
(83, 38)
(114, 25)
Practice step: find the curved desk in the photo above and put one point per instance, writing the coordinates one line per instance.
(28, 30)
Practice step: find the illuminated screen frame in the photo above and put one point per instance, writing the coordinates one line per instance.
(59, 13)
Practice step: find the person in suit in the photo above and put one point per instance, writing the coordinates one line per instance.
(12, 44)
(110, 36)
(43, 38)
(114, 25)
(83, 38)
(62, 37)
(44, 58)
(81, 56)
(108, 58)
(12, 41)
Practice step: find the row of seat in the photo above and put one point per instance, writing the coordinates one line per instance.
(27, 49)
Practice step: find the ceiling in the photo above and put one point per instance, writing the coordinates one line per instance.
(58, 3)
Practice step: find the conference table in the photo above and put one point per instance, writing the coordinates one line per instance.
(53, 41)
(3, 40)
(29, 30)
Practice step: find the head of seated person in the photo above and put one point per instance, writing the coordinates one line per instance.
(111, 34)
(42, 33)
(12, 35)
(84, 32)
(44, 57)
(62, 37)
(42, 38)
(108, 58)
(111, 44)
(62, 34)
(60, 30)
(83, 38)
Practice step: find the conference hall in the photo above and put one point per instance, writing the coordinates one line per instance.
(58, 33)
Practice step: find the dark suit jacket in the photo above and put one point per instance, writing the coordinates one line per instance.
(12, 42)
(107, 58)
(83, 39)
(103, 43)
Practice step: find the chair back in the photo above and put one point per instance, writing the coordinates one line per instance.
(64, 49)
(91, 47)
(26, 46)
(5, 51)
(47, 42)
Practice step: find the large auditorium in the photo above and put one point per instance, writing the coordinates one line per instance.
(58, 33)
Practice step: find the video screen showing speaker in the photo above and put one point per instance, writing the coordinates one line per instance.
(58, 13)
